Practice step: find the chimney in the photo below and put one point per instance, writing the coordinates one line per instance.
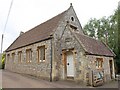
(21, 33)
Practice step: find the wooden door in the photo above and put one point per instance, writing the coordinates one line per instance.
(70, 65)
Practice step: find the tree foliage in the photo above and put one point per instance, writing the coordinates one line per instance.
(106, 30)
(3, 61)
(118, 61)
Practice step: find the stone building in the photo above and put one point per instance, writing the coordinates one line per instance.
(58, 50)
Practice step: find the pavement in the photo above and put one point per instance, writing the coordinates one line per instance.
(15, 80)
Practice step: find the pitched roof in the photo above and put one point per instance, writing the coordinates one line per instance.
(92, 46)
(44, 30)
(38, 33)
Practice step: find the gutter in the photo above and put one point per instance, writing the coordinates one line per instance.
(87, 53)
(26, 45)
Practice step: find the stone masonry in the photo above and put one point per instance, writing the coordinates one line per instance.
(34, 68)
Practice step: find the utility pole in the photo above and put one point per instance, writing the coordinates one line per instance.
(1, 43)
(6, 25)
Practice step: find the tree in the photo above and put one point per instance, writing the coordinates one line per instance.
(3, 61)
(106, 30)
(118, 61)
(91, 27)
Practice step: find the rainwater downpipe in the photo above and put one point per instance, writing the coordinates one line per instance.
(51, 59)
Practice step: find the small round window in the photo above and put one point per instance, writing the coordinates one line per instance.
(72, 18)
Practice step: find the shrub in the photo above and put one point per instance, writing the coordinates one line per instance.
(3, 61)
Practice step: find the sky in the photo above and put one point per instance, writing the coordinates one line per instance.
(26, 14)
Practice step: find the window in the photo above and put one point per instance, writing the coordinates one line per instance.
(72, 18)
(99, 62)
(73, 27)
(41, 54)
(19, 56)
(68, 39)
(28, 55)
(8, 57)
(13, 57)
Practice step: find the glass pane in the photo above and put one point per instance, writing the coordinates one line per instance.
(42, 53)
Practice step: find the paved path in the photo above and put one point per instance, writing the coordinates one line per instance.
(14, 80)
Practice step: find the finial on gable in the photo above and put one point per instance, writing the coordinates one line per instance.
(70, 4)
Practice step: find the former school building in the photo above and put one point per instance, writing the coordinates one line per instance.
(58, 50)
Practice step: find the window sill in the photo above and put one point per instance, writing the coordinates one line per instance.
(99, 68)
(41, 61)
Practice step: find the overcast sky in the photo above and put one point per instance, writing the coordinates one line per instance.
(26, 14)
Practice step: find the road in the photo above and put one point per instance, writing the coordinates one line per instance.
(14, 80)
(0, 78)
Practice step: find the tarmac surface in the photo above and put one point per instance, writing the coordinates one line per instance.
(15, 80)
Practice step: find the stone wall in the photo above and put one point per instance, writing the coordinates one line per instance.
(65, 40)
(69, 42)
(41, 69)
(91, 64)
